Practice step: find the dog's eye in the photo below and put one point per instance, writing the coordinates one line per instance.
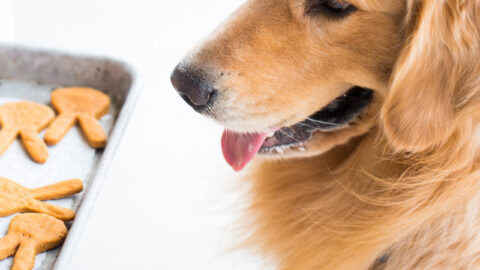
(331, 8)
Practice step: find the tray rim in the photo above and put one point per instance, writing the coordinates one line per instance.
(98, 175)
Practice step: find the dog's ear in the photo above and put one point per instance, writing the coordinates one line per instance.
(433, 73)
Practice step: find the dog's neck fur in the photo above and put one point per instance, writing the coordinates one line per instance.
(340, 211)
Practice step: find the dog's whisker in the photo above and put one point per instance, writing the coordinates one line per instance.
(286, 134)
(307, 118)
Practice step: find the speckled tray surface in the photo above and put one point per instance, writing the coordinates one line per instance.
(31, 74)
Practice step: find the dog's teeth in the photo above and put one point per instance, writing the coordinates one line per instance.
(302, 149)
(280, 150)
(271, 134)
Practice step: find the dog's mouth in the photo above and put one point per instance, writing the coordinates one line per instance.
(240, 148)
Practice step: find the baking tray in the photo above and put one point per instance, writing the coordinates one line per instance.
(31, 74)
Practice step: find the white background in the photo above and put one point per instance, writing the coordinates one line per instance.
(169, 201)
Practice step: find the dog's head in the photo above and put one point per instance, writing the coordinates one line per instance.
(292, 78)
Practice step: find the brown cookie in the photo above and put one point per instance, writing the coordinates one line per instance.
(25, 119)
(15, 198)
(86, 105)
(28, 235)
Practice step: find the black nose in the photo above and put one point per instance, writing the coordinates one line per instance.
(193, 88)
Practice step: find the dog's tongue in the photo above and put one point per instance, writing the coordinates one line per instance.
(240, 148)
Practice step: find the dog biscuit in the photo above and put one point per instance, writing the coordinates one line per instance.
(83, 104)
(28, 235)
(25, 119)
(15, 198)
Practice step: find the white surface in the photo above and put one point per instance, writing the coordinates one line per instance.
(6, 20)
(169, 199)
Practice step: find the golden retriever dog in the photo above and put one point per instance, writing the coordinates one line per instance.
(362, 118)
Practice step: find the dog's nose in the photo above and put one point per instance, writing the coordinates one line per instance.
(192, 87)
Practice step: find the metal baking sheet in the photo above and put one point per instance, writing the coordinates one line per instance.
(31, 74)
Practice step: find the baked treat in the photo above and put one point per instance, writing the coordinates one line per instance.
(15, 198)
(25, 119)
(86, 105)
(28, 235)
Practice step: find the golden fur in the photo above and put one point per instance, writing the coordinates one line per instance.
(403, 182)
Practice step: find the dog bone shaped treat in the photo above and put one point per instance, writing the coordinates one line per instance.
(83, 104)
(15, 198)
(25, 119)
(28, 235)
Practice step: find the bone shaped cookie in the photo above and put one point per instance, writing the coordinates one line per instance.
(28, 235)
(15, 198)
(25, 119)
(83, 104)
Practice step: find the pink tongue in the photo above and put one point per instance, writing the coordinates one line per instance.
(240, 148)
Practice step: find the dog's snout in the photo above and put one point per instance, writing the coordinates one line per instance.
(193, 88)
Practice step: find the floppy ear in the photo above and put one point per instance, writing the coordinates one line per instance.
(432, 72)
